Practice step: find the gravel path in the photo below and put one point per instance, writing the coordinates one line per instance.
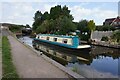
(29, 65)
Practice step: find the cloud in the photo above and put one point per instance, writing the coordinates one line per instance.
(23, 12)
(18, 13)
(96, 14)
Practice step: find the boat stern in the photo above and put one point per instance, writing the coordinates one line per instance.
(83, 47)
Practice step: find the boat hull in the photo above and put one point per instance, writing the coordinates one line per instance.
(37, 41)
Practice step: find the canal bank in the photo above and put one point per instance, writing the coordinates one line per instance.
(100, 62)
(102, 44)
(31, 66)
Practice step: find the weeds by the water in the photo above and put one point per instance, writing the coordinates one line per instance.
(9, 70)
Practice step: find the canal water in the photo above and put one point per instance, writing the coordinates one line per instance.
(100, 62)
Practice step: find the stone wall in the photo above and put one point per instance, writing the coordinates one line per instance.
(97, 35)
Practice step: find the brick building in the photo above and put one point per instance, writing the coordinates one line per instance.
(113, 22)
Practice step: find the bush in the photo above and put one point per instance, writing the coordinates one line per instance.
(104, 38)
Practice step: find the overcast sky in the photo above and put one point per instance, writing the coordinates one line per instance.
(23, 12)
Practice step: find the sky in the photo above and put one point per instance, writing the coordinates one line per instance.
(23, 12)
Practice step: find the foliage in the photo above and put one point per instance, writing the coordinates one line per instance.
(46, 27)
(105, 28)
(27, 26)
(63, 26)
(37, 20)
(55, 12)
(59, 21)
(46, 16)
(16, 28)
(116, 36)
(91, 27)
(84, 37)
(8, 68)
(58, 11)
(66, 26)
(104, 38)
(82, 26)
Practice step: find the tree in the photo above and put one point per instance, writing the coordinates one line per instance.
(59, 20)
(55, 12)
(82, 26)
(92, 27)
(46, 27)
(66, 12)
(58, 11)
(46, 16)
(37, 20)
(27, 26)
(116, 36)
(66, 26)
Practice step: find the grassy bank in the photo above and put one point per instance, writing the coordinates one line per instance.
(8, 68)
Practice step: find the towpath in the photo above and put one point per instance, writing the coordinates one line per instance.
(29, 65)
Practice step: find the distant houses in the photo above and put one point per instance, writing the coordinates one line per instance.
(113, 22)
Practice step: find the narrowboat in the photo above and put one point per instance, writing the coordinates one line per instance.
(72, 42)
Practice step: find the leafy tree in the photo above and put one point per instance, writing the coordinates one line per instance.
(37, 20)
(46, 16)
(55, 12)
(105, 28)
(116, 36)
(59, 20)
(66, 12)
(66, 26)
(16, 28)
(27, 26)
(92, 27)
(58, 11)
(82, 26)
(38, 15)
(46, 27)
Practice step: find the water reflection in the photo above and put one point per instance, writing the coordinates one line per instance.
(100, 62)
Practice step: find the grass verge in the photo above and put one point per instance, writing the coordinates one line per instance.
(9, 70)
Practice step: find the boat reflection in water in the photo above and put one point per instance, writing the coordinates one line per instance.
(100, 62)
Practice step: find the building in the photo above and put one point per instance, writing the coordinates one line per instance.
(113, 22)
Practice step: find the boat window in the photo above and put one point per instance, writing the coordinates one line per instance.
(47, 38)
(38, 37)
(55, 39)
(64, 40)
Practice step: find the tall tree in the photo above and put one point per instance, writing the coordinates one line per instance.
(55, 12)
(66, 12)
(46, 16)
(66, 26)
(92, 27)
(46, 27)
(37, 20)
(27, 26)
(82, 26)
